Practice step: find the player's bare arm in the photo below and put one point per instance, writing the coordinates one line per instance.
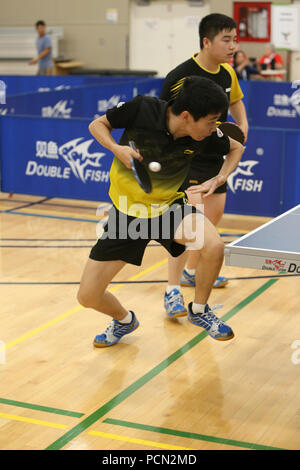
(101, 129)
(238, 112)
(230, 163)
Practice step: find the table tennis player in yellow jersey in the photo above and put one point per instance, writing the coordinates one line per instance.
(170, 134)
(217, 35)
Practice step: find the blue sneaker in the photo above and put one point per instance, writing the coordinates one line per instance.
(115, 332)
(174, 304)
(215, 327)
(188, 280)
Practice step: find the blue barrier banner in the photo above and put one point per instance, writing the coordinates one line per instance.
(245, 87)
(78, 102)
(255, 186)
(72, 103)
(150, 87)
(59, 158)
(11, 84)
(275, 104)
(53, 157)
(291, 170)
(19, 84)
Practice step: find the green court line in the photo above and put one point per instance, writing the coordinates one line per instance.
(127, 392)
(190, 435)
(46, 409)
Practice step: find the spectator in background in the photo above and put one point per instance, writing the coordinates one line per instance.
(236, 49)
(44, 49)
(271, 60)
(242, 66)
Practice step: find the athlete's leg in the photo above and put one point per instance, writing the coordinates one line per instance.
(207, 270)
(92, 291)
(213, 209)
(210, 249)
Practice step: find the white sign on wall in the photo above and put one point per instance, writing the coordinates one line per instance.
(112, 15)
(285, 27)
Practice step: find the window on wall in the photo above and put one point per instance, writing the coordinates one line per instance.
(253, 21)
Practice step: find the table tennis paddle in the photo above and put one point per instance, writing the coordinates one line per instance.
(140, 172)
(232, 130)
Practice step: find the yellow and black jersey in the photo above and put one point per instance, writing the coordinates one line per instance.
(225, 77)
(144, 121)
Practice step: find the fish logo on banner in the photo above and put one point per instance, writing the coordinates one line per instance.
(76, 154)
(295, 100)
(2, 92)
(104, 105)
(58, 110)
(245, 183)
(58, 88)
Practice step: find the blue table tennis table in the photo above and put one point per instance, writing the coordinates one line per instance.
(275, 246)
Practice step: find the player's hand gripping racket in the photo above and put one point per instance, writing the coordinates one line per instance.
(232, 130)
(140, 172)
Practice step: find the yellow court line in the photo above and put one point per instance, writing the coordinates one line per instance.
(231, 230)
(77, 308)
(52, 425)
(142, 442)
(43, 327)
(33, 421)
(148, 270)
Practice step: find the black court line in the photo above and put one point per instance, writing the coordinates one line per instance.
(73, 206)
(58, 246)
(29, 204)
(154, 281)
(233, 235)
(46, 246)
(75, 282)
(13, 200)
(55, 240)
(82, 239)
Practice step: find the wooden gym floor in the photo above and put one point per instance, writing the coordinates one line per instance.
(166, 386)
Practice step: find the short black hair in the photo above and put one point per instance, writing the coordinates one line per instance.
(213, 24)
(40, 23)
(200, 96)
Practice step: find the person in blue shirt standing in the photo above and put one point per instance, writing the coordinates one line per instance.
(44, 48)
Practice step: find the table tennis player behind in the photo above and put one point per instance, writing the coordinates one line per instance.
(171, 134)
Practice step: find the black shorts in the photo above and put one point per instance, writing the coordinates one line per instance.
(198, 175)
(125, 237)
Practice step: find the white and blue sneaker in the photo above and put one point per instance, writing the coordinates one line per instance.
(174, 304)
(115, 332)
(214, 327)
(188, 280)
(221, 281)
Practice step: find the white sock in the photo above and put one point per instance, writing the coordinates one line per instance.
(170, 288)
(198, 308)
(191, 272)
(127, 319)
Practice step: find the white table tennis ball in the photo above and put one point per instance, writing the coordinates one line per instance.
(154, 166)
